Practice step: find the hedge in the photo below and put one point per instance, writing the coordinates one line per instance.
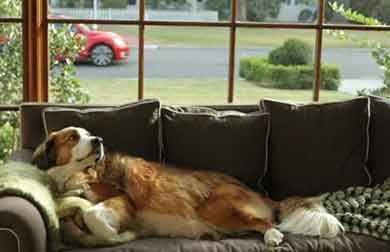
(287, 77)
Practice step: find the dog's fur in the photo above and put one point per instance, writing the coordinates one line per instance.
(136, 198)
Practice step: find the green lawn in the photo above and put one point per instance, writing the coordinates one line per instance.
(195, 91)
(246, 37)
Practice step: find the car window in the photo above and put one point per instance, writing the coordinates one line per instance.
(84, 27)
(74, 29)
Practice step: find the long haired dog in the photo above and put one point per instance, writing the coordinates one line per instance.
(139, 198)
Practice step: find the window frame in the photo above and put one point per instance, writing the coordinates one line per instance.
(35, 23)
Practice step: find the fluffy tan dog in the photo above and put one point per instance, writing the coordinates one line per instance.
(139, 198)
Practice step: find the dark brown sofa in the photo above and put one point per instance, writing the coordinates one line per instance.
(23, 229)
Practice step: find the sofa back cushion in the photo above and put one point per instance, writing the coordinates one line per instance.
(317, 148)
(230, 142)
(131, 129)
(379, 154)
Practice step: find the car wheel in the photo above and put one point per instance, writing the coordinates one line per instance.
(102, 55)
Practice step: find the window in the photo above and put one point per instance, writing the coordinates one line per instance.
(191, 51)
(11, 74)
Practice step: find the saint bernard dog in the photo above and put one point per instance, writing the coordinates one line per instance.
(137, 198)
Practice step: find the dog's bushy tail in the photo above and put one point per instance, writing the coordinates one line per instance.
(310, 218)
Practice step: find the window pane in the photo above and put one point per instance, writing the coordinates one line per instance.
(188, 10)
(94, 9)
(106, 68)
(376, 9)
(285, 74)
(11, 63)
(186, 65)
(354, 53)
(10, 8)
(278, 11)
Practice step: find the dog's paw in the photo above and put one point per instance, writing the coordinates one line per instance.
(90, 161)
(273, 237)
(73, 193)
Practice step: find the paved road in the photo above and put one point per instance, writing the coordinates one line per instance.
(172, 62)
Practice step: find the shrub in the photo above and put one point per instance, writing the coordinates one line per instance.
(114, 4)
(306, 16)
(292, 52)
(287, 77)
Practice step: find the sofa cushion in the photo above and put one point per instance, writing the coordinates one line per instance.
(317, 148)
(230, 142)
(292, 243)
(379, 154)
(132, 128)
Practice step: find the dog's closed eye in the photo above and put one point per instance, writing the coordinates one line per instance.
(73, 137)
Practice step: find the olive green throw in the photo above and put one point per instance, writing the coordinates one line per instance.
(26, 181)
(362, 210)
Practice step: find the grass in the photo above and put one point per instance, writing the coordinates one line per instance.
(195, 91)
(246, 37)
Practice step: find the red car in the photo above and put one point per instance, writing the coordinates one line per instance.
(102, 48)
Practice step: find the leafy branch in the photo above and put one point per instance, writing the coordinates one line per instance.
(379, 52)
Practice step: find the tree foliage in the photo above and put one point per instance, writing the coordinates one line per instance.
(249, 10)
(75, 4)
(380, 9)
(259, 10)
(114, 4)
(168, 4)
(64, 87)
(379, 51)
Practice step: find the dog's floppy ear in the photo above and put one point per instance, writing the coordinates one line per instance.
(45, 155)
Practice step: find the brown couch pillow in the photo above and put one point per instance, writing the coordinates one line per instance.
(132, 128)
(230, 142)
(379, 154)
(317, 148)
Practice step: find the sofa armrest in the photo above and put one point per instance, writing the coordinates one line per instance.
(33, 187)
(22, 228)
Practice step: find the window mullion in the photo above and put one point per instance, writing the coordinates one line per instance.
(141, 54)
(35, 51)
(232, 51)
(318, 51)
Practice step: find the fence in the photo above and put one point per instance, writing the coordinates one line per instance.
(132, 13)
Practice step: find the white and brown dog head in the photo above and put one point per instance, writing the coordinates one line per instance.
(65, 146)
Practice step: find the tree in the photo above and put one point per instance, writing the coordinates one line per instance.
(64, 87)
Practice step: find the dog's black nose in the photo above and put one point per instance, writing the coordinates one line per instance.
(97, 141)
